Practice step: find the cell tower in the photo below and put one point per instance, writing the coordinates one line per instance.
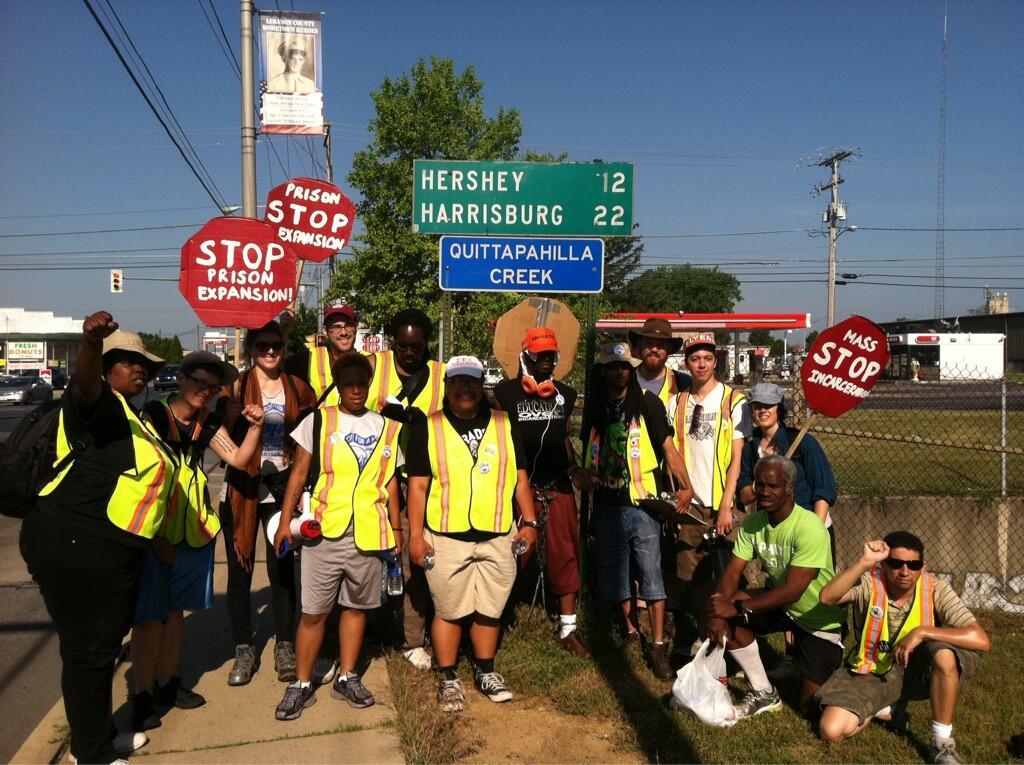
(940, 202)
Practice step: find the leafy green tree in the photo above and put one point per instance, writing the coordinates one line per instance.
(760, 338)
(811, 337)
(777, 347)
(668, 289)
(306, 322)
(433, 112)
(621, 260)
(167, 348)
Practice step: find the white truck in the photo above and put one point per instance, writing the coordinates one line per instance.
(946, 356)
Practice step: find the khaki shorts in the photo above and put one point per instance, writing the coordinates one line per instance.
(691, 561)
(864, 695)
(470, 577)
(335, 571)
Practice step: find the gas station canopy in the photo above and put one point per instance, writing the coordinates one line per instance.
(729, 322)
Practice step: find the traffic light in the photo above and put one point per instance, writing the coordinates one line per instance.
(116, 281)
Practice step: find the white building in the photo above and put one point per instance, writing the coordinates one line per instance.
(37, 340)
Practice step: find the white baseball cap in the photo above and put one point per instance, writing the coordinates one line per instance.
(464, 365)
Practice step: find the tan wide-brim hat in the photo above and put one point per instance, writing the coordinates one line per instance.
(617, 353)
(130, 342)
(657, 329)
(228, 373)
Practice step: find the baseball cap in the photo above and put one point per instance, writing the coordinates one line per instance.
(337, 309)
(540, 339)
(766, 393)
(464, 365)
(704, 340)
(617, 353)
(228, 374)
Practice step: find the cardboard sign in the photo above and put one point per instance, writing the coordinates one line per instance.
(313, 217)
(843, 365)
(509, 331)
(234, 272)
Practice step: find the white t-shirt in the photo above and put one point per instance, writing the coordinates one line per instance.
(361, 432)
(700, 446)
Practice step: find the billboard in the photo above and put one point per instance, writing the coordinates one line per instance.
(291, 91)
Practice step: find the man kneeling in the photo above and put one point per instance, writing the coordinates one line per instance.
(915, 639)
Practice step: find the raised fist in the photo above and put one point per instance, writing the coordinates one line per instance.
(98, 326)
(875, 552)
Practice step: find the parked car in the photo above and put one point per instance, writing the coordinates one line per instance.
(58, 380)
(24, 390)
(167, 378)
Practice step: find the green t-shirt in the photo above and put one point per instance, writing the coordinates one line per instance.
(800, 540)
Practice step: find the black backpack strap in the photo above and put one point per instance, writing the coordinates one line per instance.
(324, 395)
(314, 463)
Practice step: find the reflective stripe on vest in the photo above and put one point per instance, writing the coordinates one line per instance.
(386, 382)
(320, 378)
(873, 652)
(640, 458)
(669, 389)
(723, 438)
(189, 515)
(484, 501)
(344, 491)
(142, 492)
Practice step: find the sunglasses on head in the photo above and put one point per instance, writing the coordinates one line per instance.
(263, 346)
(897, 563)
(698, 410)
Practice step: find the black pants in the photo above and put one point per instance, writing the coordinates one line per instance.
(90, 585)
(280, 571)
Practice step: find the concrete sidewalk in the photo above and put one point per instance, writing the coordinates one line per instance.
(237, 725)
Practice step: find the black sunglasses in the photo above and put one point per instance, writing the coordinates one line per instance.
(262, 346)
(202, 385)
(698, 410)
(897, 563)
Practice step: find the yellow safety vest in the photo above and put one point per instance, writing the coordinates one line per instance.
(189, 514)
(143, 491)
(873, 652)
(669, 389)
(639, 456)
(320, 376)
(467, 493)
(723, 438)
(386, 382)
(344, 491)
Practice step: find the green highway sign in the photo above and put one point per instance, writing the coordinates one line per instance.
(532, 198)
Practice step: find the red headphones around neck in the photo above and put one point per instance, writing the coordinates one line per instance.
(544, 388)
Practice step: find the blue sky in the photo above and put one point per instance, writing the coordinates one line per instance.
(722, 107)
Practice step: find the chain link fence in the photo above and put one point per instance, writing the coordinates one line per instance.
(944, 459)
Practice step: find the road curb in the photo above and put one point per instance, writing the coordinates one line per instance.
(46, 744)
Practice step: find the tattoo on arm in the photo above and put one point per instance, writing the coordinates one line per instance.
(223, 446)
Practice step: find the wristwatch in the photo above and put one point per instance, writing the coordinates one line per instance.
(531, 524)
(743, 612)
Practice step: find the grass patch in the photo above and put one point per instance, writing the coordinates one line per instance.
(614, 687)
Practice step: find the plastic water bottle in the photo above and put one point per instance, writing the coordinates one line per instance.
(395, 584)
(519, 547)
(428, 560)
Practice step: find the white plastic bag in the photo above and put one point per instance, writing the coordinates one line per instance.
(700, 687)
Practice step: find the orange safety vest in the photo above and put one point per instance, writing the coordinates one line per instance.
(873, 652)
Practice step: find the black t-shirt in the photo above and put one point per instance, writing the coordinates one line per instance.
(81, 498)
(298, 364)
(613, 474)
(542, 425)
(417, 455)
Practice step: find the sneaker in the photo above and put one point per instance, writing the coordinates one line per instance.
(944, 752)
(353, 691)
(418, 657)
(284, 661)
(324, 671)
(144, 716)
(245, 666)
(492, 685)
(756, 702)
(174, 694)
(296, 698)
(660, 665)
(573, 644)
(130, 741)
(451, 696)
(899, 718)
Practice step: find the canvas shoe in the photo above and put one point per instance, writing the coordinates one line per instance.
(451, 696)
(130, 741)
(492, 685)
(296, 698)
(756, 702)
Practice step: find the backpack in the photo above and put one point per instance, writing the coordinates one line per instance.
(27, 459)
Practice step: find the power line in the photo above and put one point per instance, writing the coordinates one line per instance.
(229, 55)
(96, 214)
(101, 230)
(895, 228)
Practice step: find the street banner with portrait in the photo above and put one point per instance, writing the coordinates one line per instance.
(291, 91)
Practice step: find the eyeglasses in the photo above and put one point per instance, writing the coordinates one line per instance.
(339, 327)
(897, 563)
(263, 347)
(202, 386)
(698, 410)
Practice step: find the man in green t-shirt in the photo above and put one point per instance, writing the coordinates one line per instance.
(794, 550)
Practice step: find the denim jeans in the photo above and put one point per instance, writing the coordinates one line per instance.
(627, 548)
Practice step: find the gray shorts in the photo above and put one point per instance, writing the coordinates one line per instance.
(864, 695)
(335, 571)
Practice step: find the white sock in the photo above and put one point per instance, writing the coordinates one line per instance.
(566, 625)
(749, 659)
(941, 732)
(302, 684)
(884, 714)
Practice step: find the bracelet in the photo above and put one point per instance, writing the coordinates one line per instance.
(532, 524)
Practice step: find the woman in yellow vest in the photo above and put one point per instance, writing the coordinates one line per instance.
(187, 536)
(87, 537)
(465, 472)
(349, 455)
(914, 639)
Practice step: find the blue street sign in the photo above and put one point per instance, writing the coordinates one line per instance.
(521, 264)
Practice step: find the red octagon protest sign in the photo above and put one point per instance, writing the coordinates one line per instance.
(311, 216)
(234, 273)
(843, 365)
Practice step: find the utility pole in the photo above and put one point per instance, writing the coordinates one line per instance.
(835, 217)
(329, 156)
(247, 10)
